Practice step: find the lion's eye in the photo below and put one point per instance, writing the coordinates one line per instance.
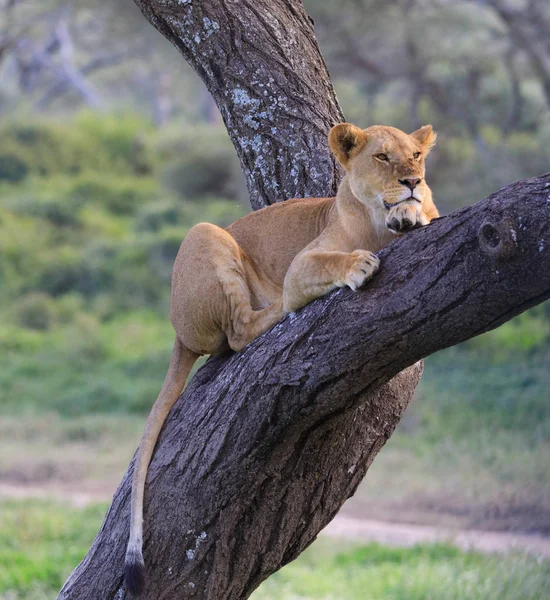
(381, 156)
(416, 155)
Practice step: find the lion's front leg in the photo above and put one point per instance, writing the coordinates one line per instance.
(314, 273)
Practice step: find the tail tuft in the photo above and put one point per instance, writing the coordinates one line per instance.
(134, 573)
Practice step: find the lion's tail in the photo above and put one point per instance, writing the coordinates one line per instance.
(181, 363)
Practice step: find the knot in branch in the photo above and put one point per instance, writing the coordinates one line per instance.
(497, 239)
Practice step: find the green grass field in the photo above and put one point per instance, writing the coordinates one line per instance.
(41, 542)
(437, 572)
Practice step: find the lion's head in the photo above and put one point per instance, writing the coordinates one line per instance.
(385, 165)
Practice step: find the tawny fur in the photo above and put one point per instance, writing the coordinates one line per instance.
(230, 285)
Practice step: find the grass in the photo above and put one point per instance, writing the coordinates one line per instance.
(41, 542)
(424, 572)
(86, 367)
(473, 448)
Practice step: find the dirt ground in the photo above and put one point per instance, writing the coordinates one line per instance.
(346, 525)
(401, 502)
(451, 512)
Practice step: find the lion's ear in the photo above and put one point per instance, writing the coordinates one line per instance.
(345, 141)
(425, 137)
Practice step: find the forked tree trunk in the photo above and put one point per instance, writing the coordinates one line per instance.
(260, 61)
(264, 446)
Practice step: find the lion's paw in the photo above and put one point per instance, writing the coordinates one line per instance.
(364, 266)
(404, 217)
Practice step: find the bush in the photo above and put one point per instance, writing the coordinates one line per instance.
(206, 164)
(52, 208)
(36, 311)
(153, 217)
(22, 240)
(201, 173)
(43, 148)
(93, 142)
(173, 212)
(40, 312)
(119, 195)
(12, 167)
(127, 272)
(162, 252)
(123, 138)
(65, 272)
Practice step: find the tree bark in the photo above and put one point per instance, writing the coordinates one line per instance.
(260, 61)
(264, 446)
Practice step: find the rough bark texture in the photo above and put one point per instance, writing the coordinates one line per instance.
(260, 61)
(264, 446)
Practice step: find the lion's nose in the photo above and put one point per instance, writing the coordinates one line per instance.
(410, 183)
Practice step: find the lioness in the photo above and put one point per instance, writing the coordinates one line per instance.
(230, 285)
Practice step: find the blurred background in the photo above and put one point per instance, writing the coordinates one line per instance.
(111, 149)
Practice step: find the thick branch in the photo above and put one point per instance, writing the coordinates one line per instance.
(63, 85)
(261, 62)
(264, 446)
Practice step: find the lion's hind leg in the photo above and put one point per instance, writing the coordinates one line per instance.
(212, 300)
(244, 323)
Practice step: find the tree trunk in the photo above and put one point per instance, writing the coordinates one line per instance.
(261, 63)
(264, 446)
(530, 31)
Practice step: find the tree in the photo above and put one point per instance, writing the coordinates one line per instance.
(400, 42)
(68, 53)
(41, 43)
(264, 446)
(528, 22)
(261, 63)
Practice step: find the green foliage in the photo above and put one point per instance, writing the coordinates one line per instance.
(120, 195)
(173, 212)
(123, 138)
(12, 167)
(93, 142)
(84, 367)
(36, 311)
(203, 163)
(49, 207)
(44, 148)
